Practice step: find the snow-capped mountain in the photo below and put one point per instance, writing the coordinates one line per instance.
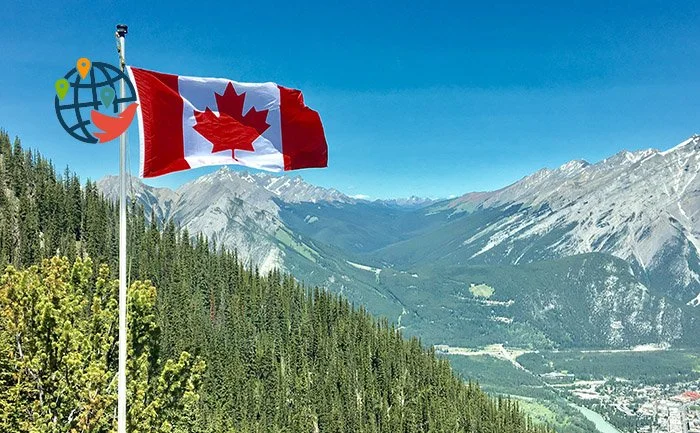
(643, 207)
(412, 202)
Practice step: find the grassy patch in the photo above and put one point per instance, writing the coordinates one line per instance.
(481, 290)
(497, 375)
(290, 242)
(537, 411)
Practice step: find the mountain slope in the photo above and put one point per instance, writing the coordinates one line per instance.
(590, 300)
(234, 209)
(642, 207)
(241, 211)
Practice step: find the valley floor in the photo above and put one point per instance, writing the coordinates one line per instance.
(640, 390)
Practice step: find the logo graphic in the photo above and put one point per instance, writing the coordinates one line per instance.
(87, 105)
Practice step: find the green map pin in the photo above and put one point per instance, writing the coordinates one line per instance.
(107, 95)
(62, 87)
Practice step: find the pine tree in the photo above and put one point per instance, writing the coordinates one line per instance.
(58, 363)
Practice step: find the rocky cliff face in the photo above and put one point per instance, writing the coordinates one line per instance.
(643, 207)
(232, 208)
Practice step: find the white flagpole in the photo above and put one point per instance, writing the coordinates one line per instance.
(121, 403)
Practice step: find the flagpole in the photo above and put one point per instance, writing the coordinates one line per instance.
(121, 386)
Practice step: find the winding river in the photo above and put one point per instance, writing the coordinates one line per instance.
(602, 425)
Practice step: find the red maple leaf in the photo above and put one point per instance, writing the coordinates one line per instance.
(231, 130)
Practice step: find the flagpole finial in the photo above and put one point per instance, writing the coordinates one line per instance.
(122, 30)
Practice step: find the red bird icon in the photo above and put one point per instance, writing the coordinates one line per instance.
(112, 126)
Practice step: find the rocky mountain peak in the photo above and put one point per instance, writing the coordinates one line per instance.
(641, 206)
(574, 166)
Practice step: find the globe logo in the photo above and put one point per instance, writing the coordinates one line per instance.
(87, 105)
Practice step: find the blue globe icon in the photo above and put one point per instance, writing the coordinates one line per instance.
(73, 111)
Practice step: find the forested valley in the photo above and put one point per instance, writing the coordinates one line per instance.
(214, 345)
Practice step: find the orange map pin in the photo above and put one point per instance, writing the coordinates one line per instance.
(83, 65)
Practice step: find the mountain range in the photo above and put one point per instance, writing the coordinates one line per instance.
(584, 255)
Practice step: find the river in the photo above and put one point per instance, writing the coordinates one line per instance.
(602, 425)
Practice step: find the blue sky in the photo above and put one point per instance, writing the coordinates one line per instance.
(417, 98)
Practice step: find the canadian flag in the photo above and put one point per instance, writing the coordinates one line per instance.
(188, 122)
